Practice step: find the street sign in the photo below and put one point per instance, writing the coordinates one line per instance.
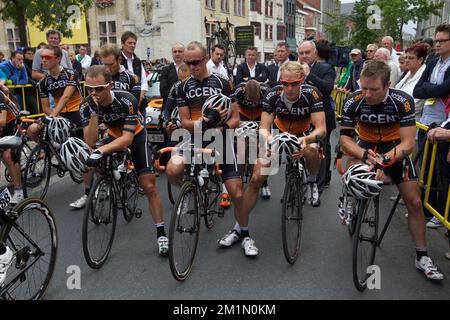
(245, 37)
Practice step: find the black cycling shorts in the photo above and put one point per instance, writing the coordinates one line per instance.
(74, 119)
(141, 153)
(397, 170)
(9, 129)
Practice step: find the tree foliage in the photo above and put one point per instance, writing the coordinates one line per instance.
(397, 13)
(362, 35)
(337, 28)
(56, 14)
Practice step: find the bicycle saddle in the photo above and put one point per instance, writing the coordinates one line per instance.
(10, 142)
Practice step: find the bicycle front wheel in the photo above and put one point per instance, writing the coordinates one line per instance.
(130, 195)
(99, 223)
(184, 232)
(36, 176)
(365, 241)
(33, 239)
(292, 217)
(212, 203)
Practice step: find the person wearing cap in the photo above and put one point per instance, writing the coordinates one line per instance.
(358, 62)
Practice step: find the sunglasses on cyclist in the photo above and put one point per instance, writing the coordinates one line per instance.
(48, 56)
(98, 89)
(194, 62)
(293, 83)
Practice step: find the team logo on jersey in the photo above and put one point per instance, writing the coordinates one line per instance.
(130, 109)
(315, 95)
(407, 106)
(358, 97)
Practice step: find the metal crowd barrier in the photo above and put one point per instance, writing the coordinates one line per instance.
(339, 98)
(443, 217)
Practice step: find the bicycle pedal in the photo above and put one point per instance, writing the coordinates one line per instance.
(138, 213)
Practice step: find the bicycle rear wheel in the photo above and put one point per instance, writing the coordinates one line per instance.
(99, 223)
(33, 239)
(365, 241)
(36, 176)
(169, 193)
(292, 217)
(184, 232)
(130, 195)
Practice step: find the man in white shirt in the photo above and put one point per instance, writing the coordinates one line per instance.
(215, 64)
(83, 58)
(388, 43)
(383, 54)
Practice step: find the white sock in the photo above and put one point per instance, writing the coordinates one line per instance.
(237, 227)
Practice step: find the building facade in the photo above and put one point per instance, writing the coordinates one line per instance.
(425, 28)
(290, 9)
(328, 7)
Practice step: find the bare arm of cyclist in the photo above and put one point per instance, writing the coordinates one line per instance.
(350, 147)
(320, 128)
(3, 116)
(45, 103)
(68, 92)
(186, 121)
(90, 132)
(234, 120)
(266, 124)
(119, 144)
(408, 140)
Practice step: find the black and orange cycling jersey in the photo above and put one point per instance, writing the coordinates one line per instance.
(248, 110)
(122, 111)
(56, 86)
(381, 122)
(7, 105)
(293, 117)
(124, 80)
(193, 93)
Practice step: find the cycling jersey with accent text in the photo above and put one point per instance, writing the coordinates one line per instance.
(297, 118)
(56, 86)
(247, 108)
(193, 93)
(122, 111)
(7, 105)
(381, 122)
(126, 81)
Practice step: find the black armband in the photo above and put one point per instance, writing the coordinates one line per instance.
(129, 130)
(348, 132)
(365, 155)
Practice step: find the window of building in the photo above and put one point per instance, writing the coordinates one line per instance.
(269, 8)
(210, 4)
(281, 32)
(107, 31)
(280, 12)
(239, 8)
(255, 5)
(269, 32)
(225, 6)
(13, 38)
(257, 28)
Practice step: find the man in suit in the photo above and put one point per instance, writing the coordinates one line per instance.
(322, 76)
(251, 69)
(274, 70)
(169, 74)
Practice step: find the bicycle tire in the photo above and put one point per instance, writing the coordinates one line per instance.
(35, 251)
(33, 179)
(352, 225)
(130, 195)
(212, 203)
(363, 257)
(184, 222)
(102, 191)
(169, 193)
(293, 193)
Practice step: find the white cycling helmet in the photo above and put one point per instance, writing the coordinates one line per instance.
(58, 129)
(175, 115)
(360, 183)
(247, 129)
(284, 142)
(218, 101)
(74, 153)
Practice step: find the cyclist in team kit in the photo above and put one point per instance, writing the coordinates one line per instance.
(118, 110)
(386, 125)
(249, 96)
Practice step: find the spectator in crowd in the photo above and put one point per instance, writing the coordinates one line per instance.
(402, 66)
(96, 59)
(355, 71)
(14, 69)
(28, 55)
(281, 57)
(41, 45)
(30, 93)
(133, 64)
(3, 80)
(323, 50)
(215, 64)
(169, 74)
(388, 43)
(2, 57)
(370, 51)
(76, 65)
(83, 58)
(434, 87)
(429, 43)
(321, 76)
(39, 71)
(250, 69)
(382, 54)
(415, 64)
(64, 47)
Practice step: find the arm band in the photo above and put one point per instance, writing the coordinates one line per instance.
(129, 130)
(348, 132)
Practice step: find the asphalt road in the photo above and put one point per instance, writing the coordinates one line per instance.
(323, 271)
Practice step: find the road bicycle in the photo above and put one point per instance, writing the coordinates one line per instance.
(117, 187)
(198, 198)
